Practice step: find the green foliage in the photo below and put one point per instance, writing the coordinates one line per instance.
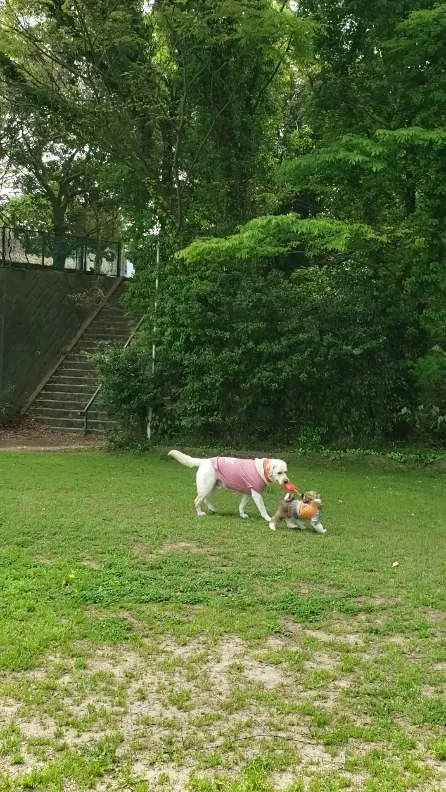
(266, 237)
(250, 358)
(27, 211)
(372, 186)
(181, 96)
(125, 376)
(428, 418)
(286, 149)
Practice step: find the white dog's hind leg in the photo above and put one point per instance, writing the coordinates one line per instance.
(206, 480)
(243, 503)
(197, 503)
(209, 504)
(258, 500)
(291, 523)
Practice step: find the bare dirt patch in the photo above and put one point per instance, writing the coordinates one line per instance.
(117, 663)
(184, 547)
(265, 674)
(29, 436)
(437, 617)
(90, 564)
(180, 705)
(322, 661)
(170, 546)
(45, 560)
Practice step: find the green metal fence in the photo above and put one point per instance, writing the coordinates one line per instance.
(61, 252)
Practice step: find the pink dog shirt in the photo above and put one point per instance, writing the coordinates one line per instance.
(240, 475)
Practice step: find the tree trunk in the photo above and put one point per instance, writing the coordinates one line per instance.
(59, 244)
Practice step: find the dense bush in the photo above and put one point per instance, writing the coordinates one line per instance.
(254, 354)
(127, 388)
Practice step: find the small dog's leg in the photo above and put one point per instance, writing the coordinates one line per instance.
(276, 518)
(319, 528)
(291, 523)
(301, 525)
(241, 508)
(258, 500)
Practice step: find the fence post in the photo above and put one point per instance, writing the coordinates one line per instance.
(119, 259)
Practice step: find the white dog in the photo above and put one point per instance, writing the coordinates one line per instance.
(248, 476)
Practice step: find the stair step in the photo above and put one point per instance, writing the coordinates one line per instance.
(74, 424)
(114, 314)
(104, 335)
(93, 346)
(79, 357)
(66, 379)
(100, 415)
(75, 413)
(77, 363)
(61, 402)
(56, 387)
(96, 341)
(72, 371)
(64, 401)
(111, 325)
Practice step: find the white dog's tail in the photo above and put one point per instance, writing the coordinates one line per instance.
(184, 459)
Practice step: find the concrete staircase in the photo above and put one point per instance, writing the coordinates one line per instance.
(68, 391)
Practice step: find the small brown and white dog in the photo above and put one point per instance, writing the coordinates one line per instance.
(248, 476)
(294, 511)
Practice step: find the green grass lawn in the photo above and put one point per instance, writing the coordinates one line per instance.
(143, 648)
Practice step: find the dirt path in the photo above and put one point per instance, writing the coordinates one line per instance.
(32, 437)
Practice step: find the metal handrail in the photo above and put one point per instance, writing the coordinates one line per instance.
(84, 412)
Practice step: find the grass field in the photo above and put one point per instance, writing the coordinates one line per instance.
(143, 648)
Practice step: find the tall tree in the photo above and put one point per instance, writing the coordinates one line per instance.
(180, 94)
(368, 168)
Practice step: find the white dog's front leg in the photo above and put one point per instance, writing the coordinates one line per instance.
(258, 500)
(319, 528)
(243, 503)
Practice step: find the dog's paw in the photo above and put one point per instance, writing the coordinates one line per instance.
(320, 529)
(212, 510)
(201, 514)
(244, 516)
(272, 525)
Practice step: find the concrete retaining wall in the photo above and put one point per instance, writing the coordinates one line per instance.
(39, 317)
